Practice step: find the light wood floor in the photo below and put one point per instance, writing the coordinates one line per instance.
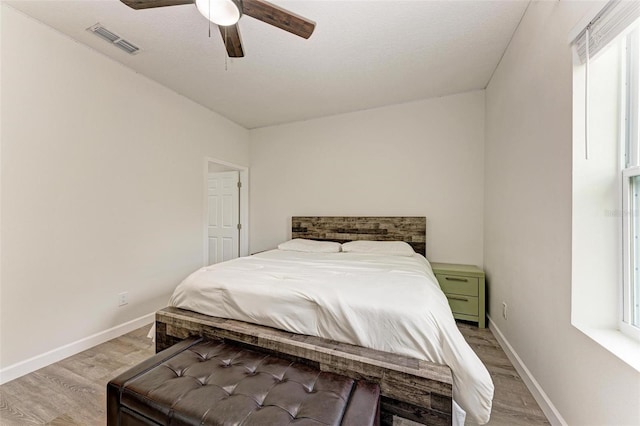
(73, 391)
(513, 404)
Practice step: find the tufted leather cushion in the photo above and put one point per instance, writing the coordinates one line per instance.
(214, 383)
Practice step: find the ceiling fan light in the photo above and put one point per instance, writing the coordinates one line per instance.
(220, 12)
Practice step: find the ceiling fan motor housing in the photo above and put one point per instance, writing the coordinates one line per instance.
(221, 12)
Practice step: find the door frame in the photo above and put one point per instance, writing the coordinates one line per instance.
(244, 206)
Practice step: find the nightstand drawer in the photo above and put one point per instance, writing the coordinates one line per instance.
(456, 284)
(467, 305)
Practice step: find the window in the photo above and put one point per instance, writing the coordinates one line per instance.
(605, 289)
(631, 186)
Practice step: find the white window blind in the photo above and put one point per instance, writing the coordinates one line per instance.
(613, 19)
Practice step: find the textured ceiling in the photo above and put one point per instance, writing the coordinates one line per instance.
(363, 54)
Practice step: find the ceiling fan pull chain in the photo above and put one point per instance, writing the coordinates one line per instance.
(225, 49)
(209, 18)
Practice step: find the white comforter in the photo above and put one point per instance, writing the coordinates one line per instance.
(390, 303)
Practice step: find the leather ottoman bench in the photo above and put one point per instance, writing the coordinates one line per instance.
(212, 382)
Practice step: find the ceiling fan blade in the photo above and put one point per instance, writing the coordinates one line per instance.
(231, 37)
(278, 17)
(147, 4)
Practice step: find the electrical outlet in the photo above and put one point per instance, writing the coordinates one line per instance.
(504, 310)
(123, 298)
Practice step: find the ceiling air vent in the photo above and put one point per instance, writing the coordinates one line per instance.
(114, 38)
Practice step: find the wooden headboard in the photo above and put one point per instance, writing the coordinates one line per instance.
(350, 228)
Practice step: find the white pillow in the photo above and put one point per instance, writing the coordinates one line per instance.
(310, 246)
(391, 248)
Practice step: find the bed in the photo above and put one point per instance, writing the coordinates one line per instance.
(366, 315)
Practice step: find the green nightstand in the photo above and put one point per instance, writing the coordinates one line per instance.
(464, 287)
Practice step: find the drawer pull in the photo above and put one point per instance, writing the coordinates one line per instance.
(464, 280)
(462, 299)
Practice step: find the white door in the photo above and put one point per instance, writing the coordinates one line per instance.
(223, 195)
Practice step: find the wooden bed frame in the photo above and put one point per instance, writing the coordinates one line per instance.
(413, 389)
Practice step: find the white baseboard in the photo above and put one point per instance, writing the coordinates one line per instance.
(553, 415)
(32, 364)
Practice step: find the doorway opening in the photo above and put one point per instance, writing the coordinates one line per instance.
(226, 211)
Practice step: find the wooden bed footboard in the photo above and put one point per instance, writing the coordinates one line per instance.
(413, 389)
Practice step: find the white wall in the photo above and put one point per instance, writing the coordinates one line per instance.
(417, 159)
(527, 230)
(102, 189)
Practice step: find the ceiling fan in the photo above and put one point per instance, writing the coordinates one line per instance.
(226, 13)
